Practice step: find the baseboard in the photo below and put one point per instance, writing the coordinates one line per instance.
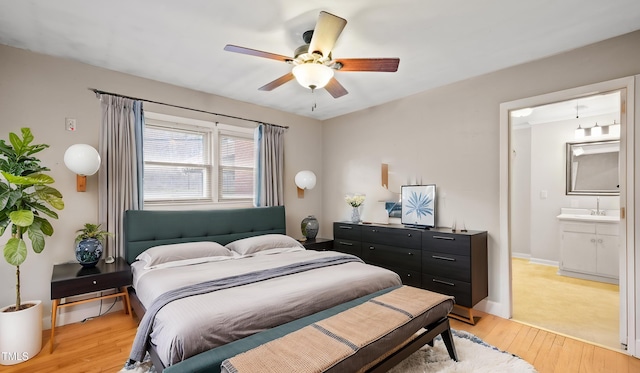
(521, 255)
(586, 276)
(545, 262)
(494, 308)
(74, 314)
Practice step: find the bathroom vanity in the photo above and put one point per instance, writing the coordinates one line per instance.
(590, 244)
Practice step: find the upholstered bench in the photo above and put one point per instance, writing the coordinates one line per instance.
(371, 333)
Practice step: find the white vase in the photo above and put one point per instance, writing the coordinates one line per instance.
(355, 214)
(20, 333)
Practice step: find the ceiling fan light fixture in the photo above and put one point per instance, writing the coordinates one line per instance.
(312, 75)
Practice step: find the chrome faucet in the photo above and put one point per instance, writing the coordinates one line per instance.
(597, 211)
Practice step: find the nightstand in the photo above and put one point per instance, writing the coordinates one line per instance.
(71, 279)
(319, 244)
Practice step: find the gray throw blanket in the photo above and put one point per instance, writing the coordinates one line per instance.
(144, 329)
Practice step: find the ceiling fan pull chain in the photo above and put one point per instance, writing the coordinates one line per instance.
(315, 104)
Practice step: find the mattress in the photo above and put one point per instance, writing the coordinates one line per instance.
(186, 327)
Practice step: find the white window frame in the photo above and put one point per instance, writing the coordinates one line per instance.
(214, 129)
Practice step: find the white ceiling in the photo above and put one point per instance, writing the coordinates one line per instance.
(438, 42)
(582, 108)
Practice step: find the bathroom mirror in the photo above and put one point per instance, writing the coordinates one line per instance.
(592, 168)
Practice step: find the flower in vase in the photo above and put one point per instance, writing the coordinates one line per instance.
(354, 200)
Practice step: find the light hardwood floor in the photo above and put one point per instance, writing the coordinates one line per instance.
(565, 305)
(102, 345)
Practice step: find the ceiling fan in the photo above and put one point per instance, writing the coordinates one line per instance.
(313, 62)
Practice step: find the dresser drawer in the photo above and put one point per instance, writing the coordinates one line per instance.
(410, 238)
(453, 266)
(446, 242)
(409, 278)
(459, 289)
(347, 231)
(396, 257)
(348, 247)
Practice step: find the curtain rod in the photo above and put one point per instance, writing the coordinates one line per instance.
(98, 92)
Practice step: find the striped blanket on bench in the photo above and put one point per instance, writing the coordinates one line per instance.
(323, 344)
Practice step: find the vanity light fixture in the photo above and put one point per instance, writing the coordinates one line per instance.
(613, 129)
(580, 132)
(596, 130)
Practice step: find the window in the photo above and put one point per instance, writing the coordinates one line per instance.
(195, 161)
(235, 173)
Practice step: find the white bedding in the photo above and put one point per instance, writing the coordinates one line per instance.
(189, 326)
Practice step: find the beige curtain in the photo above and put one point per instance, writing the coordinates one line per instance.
(121, 167)
(269, 165)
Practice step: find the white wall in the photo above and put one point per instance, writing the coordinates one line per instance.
(548, 159)
(521, 192)
(450, 136)
(39, 91)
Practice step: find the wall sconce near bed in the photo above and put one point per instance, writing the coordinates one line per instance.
(305, 180)
(84, 160)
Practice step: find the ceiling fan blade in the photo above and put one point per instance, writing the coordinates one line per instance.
(327, 30)
(369, 64)
(276, 83)
(257, 53)
(335, 88)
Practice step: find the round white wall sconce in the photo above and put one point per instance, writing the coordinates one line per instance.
(305, 180)
(84, 160)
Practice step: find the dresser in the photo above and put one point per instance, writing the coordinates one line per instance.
(453, 263)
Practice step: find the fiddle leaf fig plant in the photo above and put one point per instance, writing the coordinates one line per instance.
(26, 200)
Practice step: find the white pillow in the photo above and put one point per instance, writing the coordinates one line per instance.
(255, 244)
(157, 255)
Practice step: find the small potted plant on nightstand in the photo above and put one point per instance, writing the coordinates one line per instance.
(26, 200)
(89, 244)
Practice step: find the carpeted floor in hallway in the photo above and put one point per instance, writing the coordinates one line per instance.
(587, 310)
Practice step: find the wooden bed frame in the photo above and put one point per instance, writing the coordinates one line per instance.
(145, 228)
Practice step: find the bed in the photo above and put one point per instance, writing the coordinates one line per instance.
(277, 286)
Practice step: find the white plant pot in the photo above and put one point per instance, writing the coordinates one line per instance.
(20, 334)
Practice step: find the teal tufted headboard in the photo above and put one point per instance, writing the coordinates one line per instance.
(144, 228)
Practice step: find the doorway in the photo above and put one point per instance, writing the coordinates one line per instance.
(627, 191)
(556, 276)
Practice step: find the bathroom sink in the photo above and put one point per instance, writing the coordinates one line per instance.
(590, 218)
(611, 216)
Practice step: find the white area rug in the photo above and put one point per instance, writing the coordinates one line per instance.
(474, 355)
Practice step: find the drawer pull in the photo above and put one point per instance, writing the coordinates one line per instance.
(94, 282)
(345, 243)
(371, 248)
(408, 274)
(374, 230)
(444, 282)
(345, 227)
(443, 258)
(410, 253)
(444, 238)
(409, 235)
